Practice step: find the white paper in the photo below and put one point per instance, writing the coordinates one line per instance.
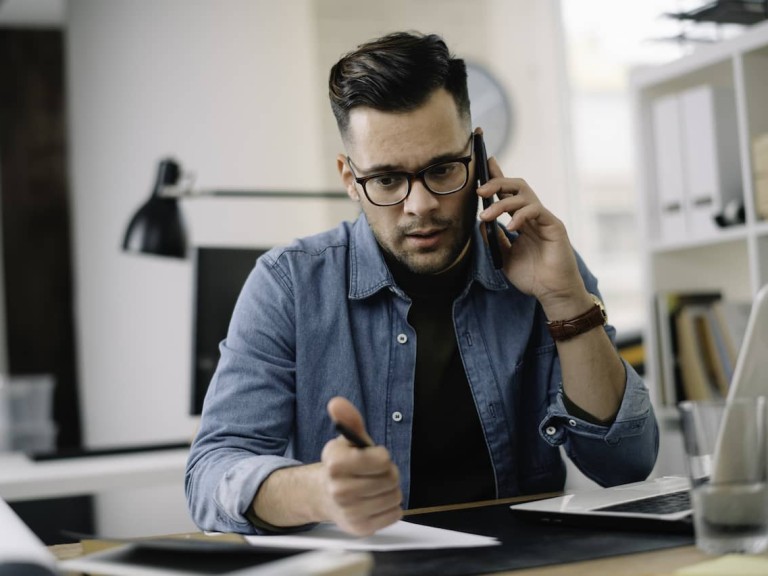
(19, 544)
(398, 536)
(113, 562)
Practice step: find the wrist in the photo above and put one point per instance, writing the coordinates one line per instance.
(592, 318)
(291, 496)
(558, 308)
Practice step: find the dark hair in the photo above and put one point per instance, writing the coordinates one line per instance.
(396, 73)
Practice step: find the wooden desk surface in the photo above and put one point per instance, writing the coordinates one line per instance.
(657, 563)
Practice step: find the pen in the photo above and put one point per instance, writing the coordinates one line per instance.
(351, 436)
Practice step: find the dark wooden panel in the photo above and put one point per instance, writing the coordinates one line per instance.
(35, 217)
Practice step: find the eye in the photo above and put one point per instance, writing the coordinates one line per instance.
(443, 171)
(389, 181)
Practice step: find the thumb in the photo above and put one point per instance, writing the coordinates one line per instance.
(343, 411)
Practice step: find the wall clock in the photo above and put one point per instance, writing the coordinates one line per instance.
(491, 108)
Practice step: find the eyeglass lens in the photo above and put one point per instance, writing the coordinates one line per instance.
(393, 187)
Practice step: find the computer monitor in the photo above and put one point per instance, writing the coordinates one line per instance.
(220, 273)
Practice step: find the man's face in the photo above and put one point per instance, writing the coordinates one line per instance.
(426, 233)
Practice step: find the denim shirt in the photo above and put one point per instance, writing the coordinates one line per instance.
(323, 318)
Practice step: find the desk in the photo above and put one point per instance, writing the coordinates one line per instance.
(656, 563)
(25, 479)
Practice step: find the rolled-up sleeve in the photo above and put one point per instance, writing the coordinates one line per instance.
(246, 427)
(630, 443)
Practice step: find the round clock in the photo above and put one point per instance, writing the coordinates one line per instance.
(491, 108)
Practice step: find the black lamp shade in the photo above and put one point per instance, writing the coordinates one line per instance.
(157, 226)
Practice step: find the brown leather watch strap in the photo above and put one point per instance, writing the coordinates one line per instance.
(561, 330)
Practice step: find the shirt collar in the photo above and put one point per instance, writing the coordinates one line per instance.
(369, 272)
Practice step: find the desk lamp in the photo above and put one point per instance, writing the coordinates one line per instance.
(158, 228)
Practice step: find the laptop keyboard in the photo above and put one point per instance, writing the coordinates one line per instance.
(661, 504)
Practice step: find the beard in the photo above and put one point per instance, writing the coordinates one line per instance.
(439, 259)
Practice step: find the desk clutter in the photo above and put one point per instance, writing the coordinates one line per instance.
(26, 413)
(521, 545)
(728, 565)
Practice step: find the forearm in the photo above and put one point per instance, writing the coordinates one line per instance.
(291, 497)
(593, 375)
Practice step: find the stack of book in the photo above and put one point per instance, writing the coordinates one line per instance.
(760, 160)
(701, 334)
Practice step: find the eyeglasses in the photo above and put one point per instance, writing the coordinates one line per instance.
(390, 188)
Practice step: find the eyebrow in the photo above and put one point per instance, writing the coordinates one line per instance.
(380, 168)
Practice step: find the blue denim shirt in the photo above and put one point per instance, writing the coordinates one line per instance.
(323, 317)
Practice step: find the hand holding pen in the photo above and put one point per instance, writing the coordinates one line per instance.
(362, 484)
(352, 436)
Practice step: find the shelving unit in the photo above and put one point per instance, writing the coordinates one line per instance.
(732, 260)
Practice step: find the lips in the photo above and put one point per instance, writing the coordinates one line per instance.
(424, 233)
(427, 238)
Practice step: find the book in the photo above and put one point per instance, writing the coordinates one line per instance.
(669, 305)
(697, 368)
(708, 339)
(731, 318)
(700, 334)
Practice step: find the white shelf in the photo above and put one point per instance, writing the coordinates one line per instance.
(732, 260)
(24, 479)
(732, 234)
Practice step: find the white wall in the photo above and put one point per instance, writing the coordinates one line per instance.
(236, 91)
(518, 41)
(226, 87)
(205, 82)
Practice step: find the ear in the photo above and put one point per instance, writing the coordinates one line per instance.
(347, 178)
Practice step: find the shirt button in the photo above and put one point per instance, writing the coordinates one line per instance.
(572, 422)
(550, 430)
(397, 416)
(402, 338)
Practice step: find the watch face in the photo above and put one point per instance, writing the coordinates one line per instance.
(599, 302)
(491, 108)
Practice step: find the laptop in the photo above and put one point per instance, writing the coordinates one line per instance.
(662, 503)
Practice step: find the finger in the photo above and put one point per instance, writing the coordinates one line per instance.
(343, 411)
(368, 525)
(341, 461)
(363, 512)
(504, 241)
(358, 490)
(494, 169)
(506, 188)
(525, 215)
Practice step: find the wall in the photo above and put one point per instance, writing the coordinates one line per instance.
(235, 90)
(205, 82)
(3, 340)
(518, 41)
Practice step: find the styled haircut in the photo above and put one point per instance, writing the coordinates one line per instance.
(396, 73)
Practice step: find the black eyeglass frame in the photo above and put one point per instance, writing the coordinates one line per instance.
(413, 176)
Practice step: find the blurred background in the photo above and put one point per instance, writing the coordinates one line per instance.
(94, 93)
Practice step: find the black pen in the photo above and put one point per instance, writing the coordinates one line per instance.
(351, 436)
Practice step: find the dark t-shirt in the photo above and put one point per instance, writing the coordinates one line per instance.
(449, 455)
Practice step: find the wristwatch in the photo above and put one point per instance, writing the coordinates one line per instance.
(561, 330)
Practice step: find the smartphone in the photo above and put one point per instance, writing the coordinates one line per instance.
(483, 175)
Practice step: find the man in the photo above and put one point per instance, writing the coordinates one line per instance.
(462, 378)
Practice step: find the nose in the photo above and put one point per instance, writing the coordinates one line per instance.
(420, 201)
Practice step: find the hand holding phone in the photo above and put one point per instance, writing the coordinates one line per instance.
(483, 175)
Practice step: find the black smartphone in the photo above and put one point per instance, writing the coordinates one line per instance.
(483, 175)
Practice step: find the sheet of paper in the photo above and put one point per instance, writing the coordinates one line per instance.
(398, 536)
(728, 565)
(19, 545)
